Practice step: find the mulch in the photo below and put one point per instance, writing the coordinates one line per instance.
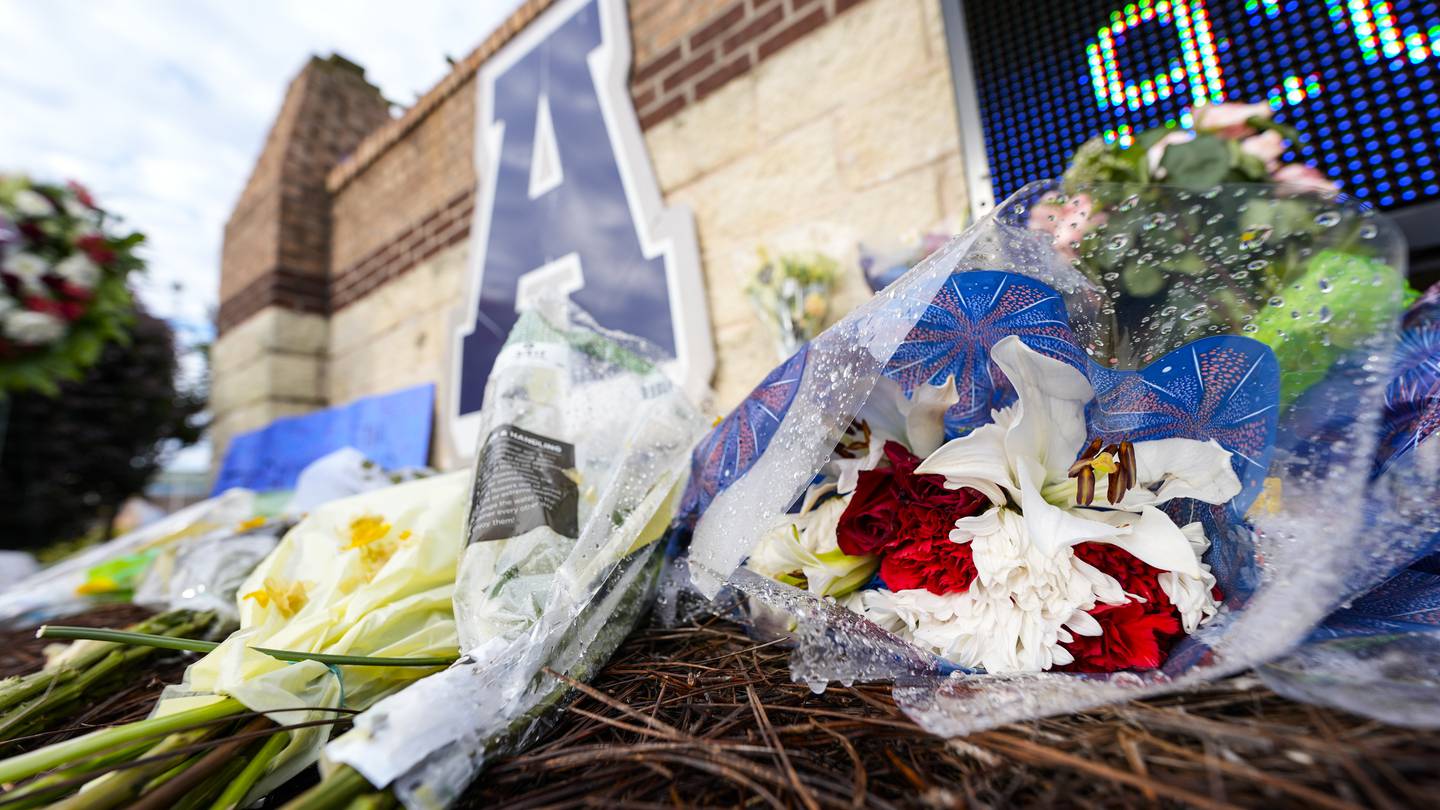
(704, 716)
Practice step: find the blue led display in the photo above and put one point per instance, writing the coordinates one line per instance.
(1356, 77)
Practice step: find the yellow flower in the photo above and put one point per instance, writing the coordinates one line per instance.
(288, 599)
(366, 530)
(253, 523)
(370, 535)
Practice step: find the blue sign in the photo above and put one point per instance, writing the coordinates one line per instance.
(393, 430)
(1357, 78)
(569, 203)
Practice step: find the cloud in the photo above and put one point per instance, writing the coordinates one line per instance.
(162, 106)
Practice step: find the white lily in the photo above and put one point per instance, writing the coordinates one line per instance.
(917, 421)
(802, 550)
(1026, 456)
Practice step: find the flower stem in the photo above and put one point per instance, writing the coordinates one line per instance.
(54, 756)
(335, 791)
(195, 645)
(259, 763)
(121, 787)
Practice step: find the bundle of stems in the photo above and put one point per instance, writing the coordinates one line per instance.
(211, 756)
(45, 699)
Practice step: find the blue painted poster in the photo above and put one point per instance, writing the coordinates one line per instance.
(393, 430)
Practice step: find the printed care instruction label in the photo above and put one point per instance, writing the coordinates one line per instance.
(522, 482)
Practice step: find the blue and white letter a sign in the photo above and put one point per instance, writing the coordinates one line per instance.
(568, 201)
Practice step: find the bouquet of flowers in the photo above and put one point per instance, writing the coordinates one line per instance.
(1325, 289)
(583, 445)
(63, 291)
(991, 486)
(792, 295)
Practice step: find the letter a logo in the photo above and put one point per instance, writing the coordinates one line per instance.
(568, 201)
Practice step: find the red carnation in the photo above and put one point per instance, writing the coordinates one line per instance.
(39, 303)
(1134, 575)
(868, 523)
(1133, 636)
(82, 194)
(937, 564)
(94, 246)
(908, 519)
(74, 292)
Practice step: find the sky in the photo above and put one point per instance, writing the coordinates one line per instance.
(161, 107)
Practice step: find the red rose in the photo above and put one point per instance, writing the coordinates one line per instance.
(868, 523)
(937, 564)
(1133, 636)
(94, 246)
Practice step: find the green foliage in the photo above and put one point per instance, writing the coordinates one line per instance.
(71, 459)
(1340, 300)
(1188, 235)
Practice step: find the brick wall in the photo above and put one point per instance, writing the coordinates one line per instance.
(693, 49)
(277, 240)
(784, 124)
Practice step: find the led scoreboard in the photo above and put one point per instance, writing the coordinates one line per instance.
(1360, 79)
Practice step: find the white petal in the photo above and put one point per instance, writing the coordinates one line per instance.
(925, 415)
(1182, 468)
(1083, 624)
(1051, 427)
(974, 460)
(884, 410)
(1050, 528)
(1152, 537)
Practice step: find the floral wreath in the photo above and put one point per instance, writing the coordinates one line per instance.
(63, 283)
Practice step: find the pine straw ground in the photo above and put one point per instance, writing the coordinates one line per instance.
(703, 716)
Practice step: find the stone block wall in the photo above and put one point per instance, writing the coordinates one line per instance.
(789, 125)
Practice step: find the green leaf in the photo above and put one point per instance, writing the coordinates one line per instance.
(1198, 164)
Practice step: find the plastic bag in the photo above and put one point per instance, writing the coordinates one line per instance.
(1163, 302)
(1379, 654)
(369, 575)
(584, 442)
(59, 589)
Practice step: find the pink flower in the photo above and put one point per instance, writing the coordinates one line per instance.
(1067, 221)
(1268, 146)
(1156, 152)
(1230, 120)
(1305, 176)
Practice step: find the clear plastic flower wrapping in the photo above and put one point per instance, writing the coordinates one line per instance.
(556, 574)
(1337, 499)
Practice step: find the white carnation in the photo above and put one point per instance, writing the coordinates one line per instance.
(79, 270)
(33, 328)
(31, 203)
(29, 268)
